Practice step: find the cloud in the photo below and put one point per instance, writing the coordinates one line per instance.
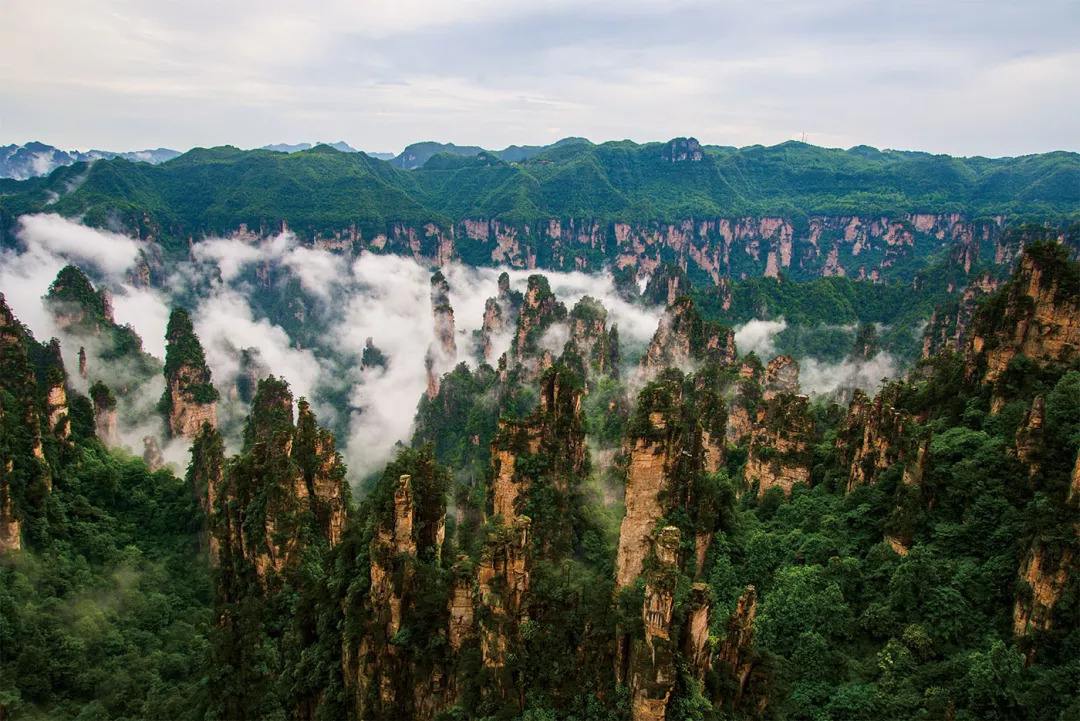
(759, 336)
(262, 72)
(111, 253)
(820, 378)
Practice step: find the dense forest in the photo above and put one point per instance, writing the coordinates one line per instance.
(566, 536)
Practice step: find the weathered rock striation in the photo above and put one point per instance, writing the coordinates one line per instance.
(779, 455)
(683, 339)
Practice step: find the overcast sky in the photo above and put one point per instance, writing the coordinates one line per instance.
(961, 77)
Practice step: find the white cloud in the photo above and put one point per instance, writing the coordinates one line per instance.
(759, 336)
(821, 378)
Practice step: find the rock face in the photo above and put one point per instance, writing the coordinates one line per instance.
(286, 478)
(152, 456)
(500, 316)
(556, 432)
(681, 150)
(652, 663)
(949, 327)
(734, 653)
(666, 285)
(683, 338)
(443, 353)
(10, 525)
(105, 415)
(875, 436)
(539, 311)
(1043, 581)
(674, 439)
(779, 454)
(190, 399)
(696, 649)
(590, 338)
(384, 679)
(1037, 315)
(781, 376)
(503, 579)
(1029, 437)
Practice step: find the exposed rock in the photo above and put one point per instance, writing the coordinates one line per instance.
(555, 431)
(696, 648)
(1044, 577)
(683, 338)
(668, 283)
(190, 398)
(539, 311)
(503, 578)
(652, 664)
(1036, 315)
(590, 339)
(83, 373)
(461, 605)
(105, 415)
(781, 376)
(682, 150)
(779, 455)
(734, 653)
(152, 456)
(443, 354)
(252, 370)
(950, 326)
(500, 316)
(875, 436)
(10, 525)
(673, 441)
(1029, 437)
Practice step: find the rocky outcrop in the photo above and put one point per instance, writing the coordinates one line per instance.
(1036, 315)
(442, 355)
(781, 376)
(1043, 577)
(590, 339)
(674, 439)
(539, 311)
(284, 490)
(190, 399)
(652, 662)
(950, 326)
(462, 604)
(696, 649)
(1029, 437)
(683, 339)
(503, 580)
(779, 454)
(10, 525)
(57, 416)
(152, 455)
(734, 653)
(668, 283)
(555, 433)
(682, 150)
(875, 436)
(106, 418)
(500, 316)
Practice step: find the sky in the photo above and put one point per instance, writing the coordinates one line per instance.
(964, 77)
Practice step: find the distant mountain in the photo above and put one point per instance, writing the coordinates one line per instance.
(33, 159)
(339, 145)
(418, 154)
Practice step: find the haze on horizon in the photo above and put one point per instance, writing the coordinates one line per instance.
(966, 78)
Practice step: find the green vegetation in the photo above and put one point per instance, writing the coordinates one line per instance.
(322, 189)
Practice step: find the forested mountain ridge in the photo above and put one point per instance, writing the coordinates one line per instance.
(561, 542)
(792, 209)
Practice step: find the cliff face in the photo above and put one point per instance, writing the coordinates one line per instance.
(285, 490)
(683, 338)
(382, 673)
(105, 414)
(539, 311)
(190, 398)
(781, 376)
(949, 328)
(443, 353)
(652, 662)
(1043, 579)
(500, 316)
(1037, 315)
(590, 338)
(554, 435)
(10, 525)
(779, 454)
(674, 439)
(875, 436)
(734, 653)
